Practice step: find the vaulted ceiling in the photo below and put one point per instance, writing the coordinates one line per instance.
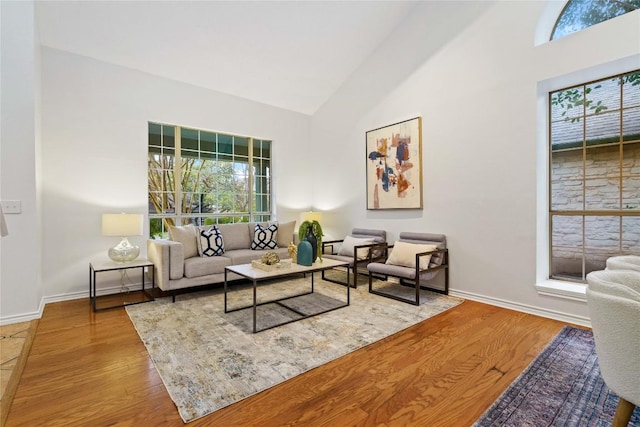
(289, 54)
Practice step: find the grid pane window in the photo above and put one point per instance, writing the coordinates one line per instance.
(594, 204)
(213, 184)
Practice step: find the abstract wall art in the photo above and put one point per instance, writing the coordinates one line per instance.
(394, 166)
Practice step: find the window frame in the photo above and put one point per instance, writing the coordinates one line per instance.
(584, 150)
(252, 214)
(568, 4)
(544, 285)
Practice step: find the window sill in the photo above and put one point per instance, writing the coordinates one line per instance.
(561, 289)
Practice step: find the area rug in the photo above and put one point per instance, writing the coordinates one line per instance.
(208, 359)
(561, 387)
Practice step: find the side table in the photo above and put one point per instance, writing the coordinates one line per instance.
(104, 266)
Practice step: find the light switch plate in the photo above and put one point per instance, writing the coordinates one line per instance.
(11, 206)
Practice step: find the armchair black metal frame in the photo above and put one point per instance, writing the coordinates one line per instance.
(414, 276)
(375, 252)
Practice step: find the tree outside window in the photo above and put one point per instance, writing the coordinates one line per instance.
(200, 177)
(580, 14)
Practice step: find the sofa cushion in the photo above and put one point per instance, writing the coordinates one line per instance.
(404, 254)
(202, 266)
(236, 236)
(285, 233)
(245, 256)
(265, 237)
(186, 235)
(210, 242)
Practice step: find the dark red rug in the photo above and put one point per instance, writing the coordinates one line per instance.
(561, 387)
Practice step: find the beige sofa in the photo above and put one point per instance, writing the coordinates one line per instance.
(193, 256)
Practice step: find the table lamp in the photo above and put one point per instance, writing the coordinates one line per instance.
(122, 225)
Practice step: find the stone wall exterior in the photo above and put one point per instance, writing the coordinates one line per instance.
(601, 191)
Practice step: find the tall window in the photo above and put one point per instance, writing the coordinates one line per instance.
(580, 14)
(594, 174)
(200, 177)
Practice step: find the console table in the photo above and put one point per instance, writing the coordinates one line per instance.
(141, 295)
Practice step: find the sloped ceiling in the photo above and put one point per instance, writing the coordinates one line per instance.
(289, 54)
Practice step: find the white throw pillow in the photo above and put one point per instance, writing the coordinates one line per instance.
(210, 242)
(350, 242)
(404, 254)
(265, 237)
(188, 236)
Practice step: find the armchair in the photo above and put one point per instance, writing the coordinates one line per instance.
(624, 262)
(415, 260)
(360, 248)
(613, 300)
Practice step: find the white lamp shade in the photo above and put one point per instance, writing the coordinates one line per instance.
(122, 225)
(312, 216)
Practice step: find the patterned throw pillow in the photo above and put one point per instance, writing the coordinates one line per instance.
(265, 237)
(210, 242)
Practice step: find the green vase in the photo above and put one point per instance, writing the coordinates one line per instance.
(305, 253)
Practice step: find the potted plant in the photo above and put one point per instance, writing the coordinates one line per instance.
(312, 232)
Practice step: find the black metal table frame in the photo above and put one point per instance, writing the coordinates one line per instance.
(92, 284)
(278, 301)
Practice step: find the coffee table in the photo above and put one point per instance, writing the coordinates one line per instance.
(256, 275)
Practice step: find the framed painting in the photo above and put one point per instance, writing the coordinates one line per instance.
(394, 166)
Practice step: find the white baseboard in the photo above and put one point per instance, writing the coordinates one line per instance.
(524, 308)
(64, 297)
(26, 317)
(551, 314)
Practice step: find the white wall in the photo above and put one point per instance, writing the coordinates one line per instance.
(471, 71)
(20, 274)
(94, 150)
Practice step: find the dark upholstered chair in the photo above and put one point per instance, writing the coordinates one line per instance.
(359, 248)
(409, 265)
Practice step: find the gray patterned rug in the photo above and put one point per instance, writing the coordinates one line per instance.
(208, 359)
(561, 387)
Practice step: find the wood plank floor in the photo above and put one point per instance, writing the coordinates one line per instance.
(91, 369)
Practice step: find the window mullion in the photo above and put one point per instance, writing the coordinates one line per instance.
(251, 180)
(177, 175)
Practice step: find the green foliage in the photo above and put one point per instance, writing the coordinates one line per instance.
(224, 220)
(155, 226)
(580, 14)
(579, 97)
(574, 97)
(316, 229)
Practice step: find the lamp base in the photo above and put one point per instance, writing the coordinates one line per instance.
(124, 251)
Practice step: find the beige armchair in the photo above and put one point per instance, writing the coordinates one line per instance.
(613, 299)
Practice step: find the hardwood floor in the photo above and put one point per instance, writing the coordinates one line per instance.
(91, 369)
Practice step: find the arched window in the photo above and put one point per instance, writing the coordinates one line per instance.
(580, 14)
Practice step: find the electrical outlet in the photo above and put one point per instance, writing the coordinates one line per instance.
(11, 206)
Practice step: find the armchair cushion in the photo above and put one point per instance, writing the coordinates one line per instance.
(404, 254)
(349, 243)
